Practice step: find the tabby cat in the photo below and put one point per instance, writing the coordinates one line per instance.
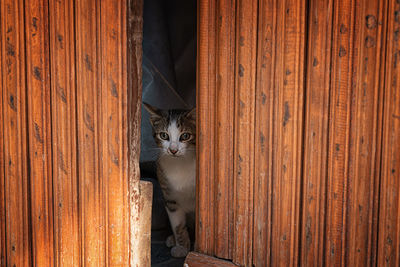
(174, 131)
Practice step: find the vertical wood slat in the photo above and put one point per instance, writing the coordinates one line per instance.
(63, 101)
(338, 144)
(264, 132)
(205, 117)
(245, 66)
(16, 245)
(91, 202)
(216, 98)
(287, 133)
(389, 214)
(114, 128)
(39, 130)
(140, 192)
(316, 132)
(3, 250)
(364, 136)
(224, 121)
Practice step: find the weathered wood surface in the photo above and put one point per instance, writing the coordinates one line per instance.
(388, 247)
(90, 184)
(39, 130)
(313, 123)
(70, 88)
(16, 244)
(195, 259)
(316, 132)
(64, 139)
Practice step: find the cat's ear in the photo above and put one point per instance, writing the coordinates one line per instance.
(155, 113)
(191, 114)
(152, 110)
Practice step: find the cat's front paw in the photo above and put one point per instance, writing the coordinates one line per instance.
(170, 242)
(179, 252)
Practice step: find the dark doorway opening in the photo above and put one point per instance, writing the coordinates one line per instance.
(169, 82)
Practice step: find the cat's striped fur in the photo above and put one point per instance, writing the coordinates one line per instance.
(174, 132)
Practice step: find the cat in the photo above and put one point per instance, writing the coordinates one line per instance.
(174, 132)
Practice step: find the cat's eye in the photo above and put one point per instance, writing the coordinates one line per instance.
(164, 136)
(184, 137)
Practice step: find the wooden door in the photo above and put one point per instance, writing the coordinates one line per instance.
(298, 133)
(69, 142)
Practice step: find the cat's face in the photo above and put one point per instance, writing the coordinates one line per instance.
(174, 131)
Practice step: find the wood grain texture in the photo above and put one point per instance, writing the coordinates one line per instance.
(3, 249)
(389, 214)
(64, 139)
(339, 130)
(140, 193)
(316, 132)
(91, 182)
(264, 97)
(16, 241)
(39, 130)
(195, 259)
(143, 254)
(113, 133)
(205, 225)
(364, 136)
(243, 157)
(287, 133)
(215, 126)
(70, 116)
(224, 130)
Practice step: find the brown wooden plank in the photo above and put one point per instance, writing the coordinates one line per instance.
(195, 259)
(287, 135)
(16, 239)
(316, 132)
(205, 121)
(245, 67)
(64, 143)
(389, 213)
(114, 128)
(224, 127)
(263, 163)
(91, 189)
(339, 128)
(3, 250)
(39, 130)
(365, 128)
(216, 99)
(140, 193)
(143, 254)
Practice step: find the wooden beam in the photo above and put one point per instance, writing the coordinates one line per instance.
(195, 259)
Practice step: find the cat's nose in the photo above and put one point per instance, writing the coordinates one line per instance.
(173, 151)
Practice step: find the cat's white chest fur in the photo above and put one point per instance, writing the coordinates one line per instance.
(181, 174)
